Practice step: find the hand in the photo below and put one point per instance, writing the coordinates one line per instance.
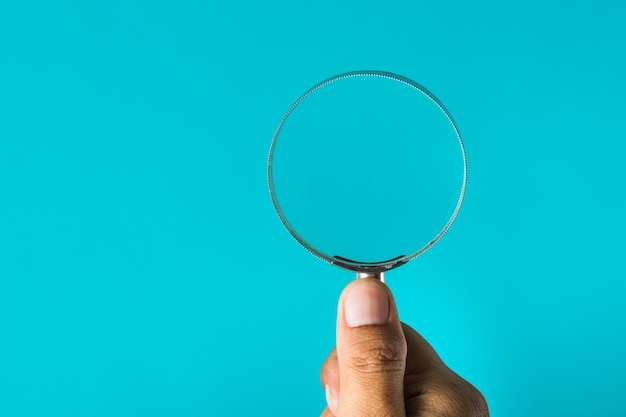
(382, 367)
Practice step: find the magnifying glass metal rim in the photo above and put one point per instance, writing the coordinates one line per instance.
(363, 269)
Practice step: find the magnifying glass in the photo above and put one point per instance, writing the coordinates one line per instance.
(367, 171)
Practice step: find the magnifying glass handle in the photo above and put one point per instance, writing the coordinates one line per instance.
(378, 275)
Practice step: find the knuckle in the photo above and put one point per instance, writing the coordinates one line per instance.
(376, 359)
(476, 404)
(458, 399)
(325, 375)
(329, 369)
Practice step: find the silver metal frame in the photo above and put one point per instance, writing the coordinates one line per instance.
(363, 270)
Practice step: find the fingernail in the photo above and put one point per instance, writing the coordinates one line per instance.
(330, 400)
(366, 304)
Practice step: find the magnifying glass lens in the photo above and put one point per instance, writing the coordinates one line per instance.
(367, 169)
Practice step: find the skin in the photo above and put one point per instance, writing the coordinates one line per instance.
(386, 369)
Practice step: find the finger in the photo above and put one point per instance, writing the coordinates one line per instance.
(422, 358)
(327, 413)
(329, 376)
(424, 370)
(371, 351)
(432, 388)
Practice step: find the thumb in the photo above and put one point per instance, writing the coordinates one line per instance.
(371, 351)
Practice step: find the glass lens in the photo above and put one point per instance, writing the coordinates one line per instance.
(368, 169)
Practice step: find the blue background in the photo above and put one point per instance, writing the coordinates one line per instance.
(143, 271)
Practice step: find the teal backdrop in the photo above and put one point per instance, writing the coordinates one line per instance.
(143, 271)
